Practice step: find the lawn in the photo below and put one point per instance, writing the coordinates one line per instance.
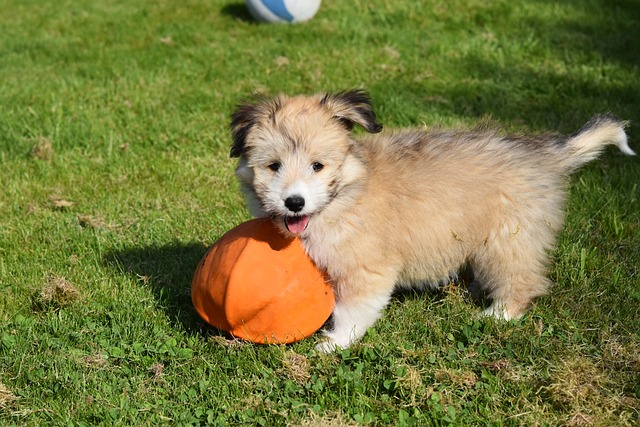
(115, 178)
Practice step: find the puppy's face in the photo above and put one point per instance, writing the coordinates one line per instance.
(296, 154)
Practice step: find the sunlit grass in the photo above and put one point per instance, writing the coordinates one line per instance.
(115, 178)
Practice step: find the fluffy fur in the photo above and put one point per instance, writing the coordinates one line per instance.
(408, 208)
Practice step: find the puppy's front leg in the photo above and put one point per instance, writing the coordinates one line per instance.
(352, 316)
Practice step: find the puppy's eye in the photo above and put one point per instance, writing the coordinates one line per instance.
(275, 166)
(317, 166)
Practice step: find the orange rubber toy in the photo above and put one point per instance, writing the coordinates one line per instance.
(260, 286)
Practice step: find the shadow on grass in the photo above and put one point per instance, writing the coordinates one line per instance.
(596, 31)
(547, 97)
(238, 11)
(167, 270)
(465, 283)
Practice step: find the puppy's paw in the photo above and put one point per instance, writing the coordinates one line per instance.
(327, 346)
(333, 341)
(496, 312)
(501, 312)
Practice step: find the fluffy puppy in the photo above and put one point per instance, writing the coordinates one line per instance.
(408, 208)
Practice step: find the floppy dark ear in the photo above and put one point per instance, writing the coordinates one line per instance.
(352, 107)
(242, 120)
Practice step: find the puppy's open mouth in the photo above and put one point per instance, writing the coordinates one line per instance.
(296, 224)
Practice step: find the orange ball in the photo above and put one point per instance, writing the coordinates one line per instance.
(260, 286)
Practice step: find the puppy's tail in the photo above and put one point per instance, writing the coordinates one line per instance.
(591, 140)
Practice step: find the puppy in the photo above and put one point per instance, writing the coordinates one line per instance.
(408, 208)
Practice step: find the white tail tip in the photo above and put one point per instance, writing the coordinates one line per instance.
(623, 145)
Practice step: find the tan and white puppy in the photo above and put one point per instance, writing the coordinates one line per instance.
(408, 208)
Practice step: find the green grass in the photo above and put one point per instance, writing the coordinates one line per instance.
(115, 178)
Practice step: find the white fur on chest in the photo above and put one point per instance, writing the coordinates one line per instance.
(325, 242)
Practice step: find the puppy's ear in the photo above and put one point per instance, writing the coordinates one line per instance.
(352, 107)
(242, 120)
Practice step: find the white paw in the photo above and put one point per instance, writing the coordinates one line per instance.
(351, 321)
(326, 347)
(496, 312)
(334, 341)
(499, 311)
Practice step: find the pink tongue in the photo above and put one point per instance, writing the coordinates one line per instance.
(296, 224)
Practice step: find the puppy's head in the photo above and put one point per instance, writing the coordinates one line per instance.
(296, 153)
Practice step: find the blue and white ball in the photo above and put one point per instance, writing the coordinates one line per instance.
(287, 11)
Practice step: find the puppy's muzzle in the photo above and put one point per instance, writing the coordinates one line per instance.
(297, 222)
(294, 203)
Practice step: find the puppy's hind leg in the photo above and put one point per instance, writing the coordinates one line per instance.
(354, 313)
(512, 270)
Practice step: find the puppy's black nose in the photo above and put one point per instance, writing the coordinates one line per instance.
(294, 203)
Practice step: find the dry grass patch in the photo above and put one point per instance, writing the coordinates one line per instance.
(589, 395)
(577, 383)
(157, 369)
(7, 398)
(222, 341)
(621, 354)
(58, 202)
(89, 221)
(337, 419)
(42, 149)
(412, 380)
(94, 361)
(296, 367)
(56, 293)
(462, 379)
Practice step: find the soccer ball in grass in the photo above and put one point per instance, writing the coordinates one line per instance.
(257, 285)
(287, 11)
